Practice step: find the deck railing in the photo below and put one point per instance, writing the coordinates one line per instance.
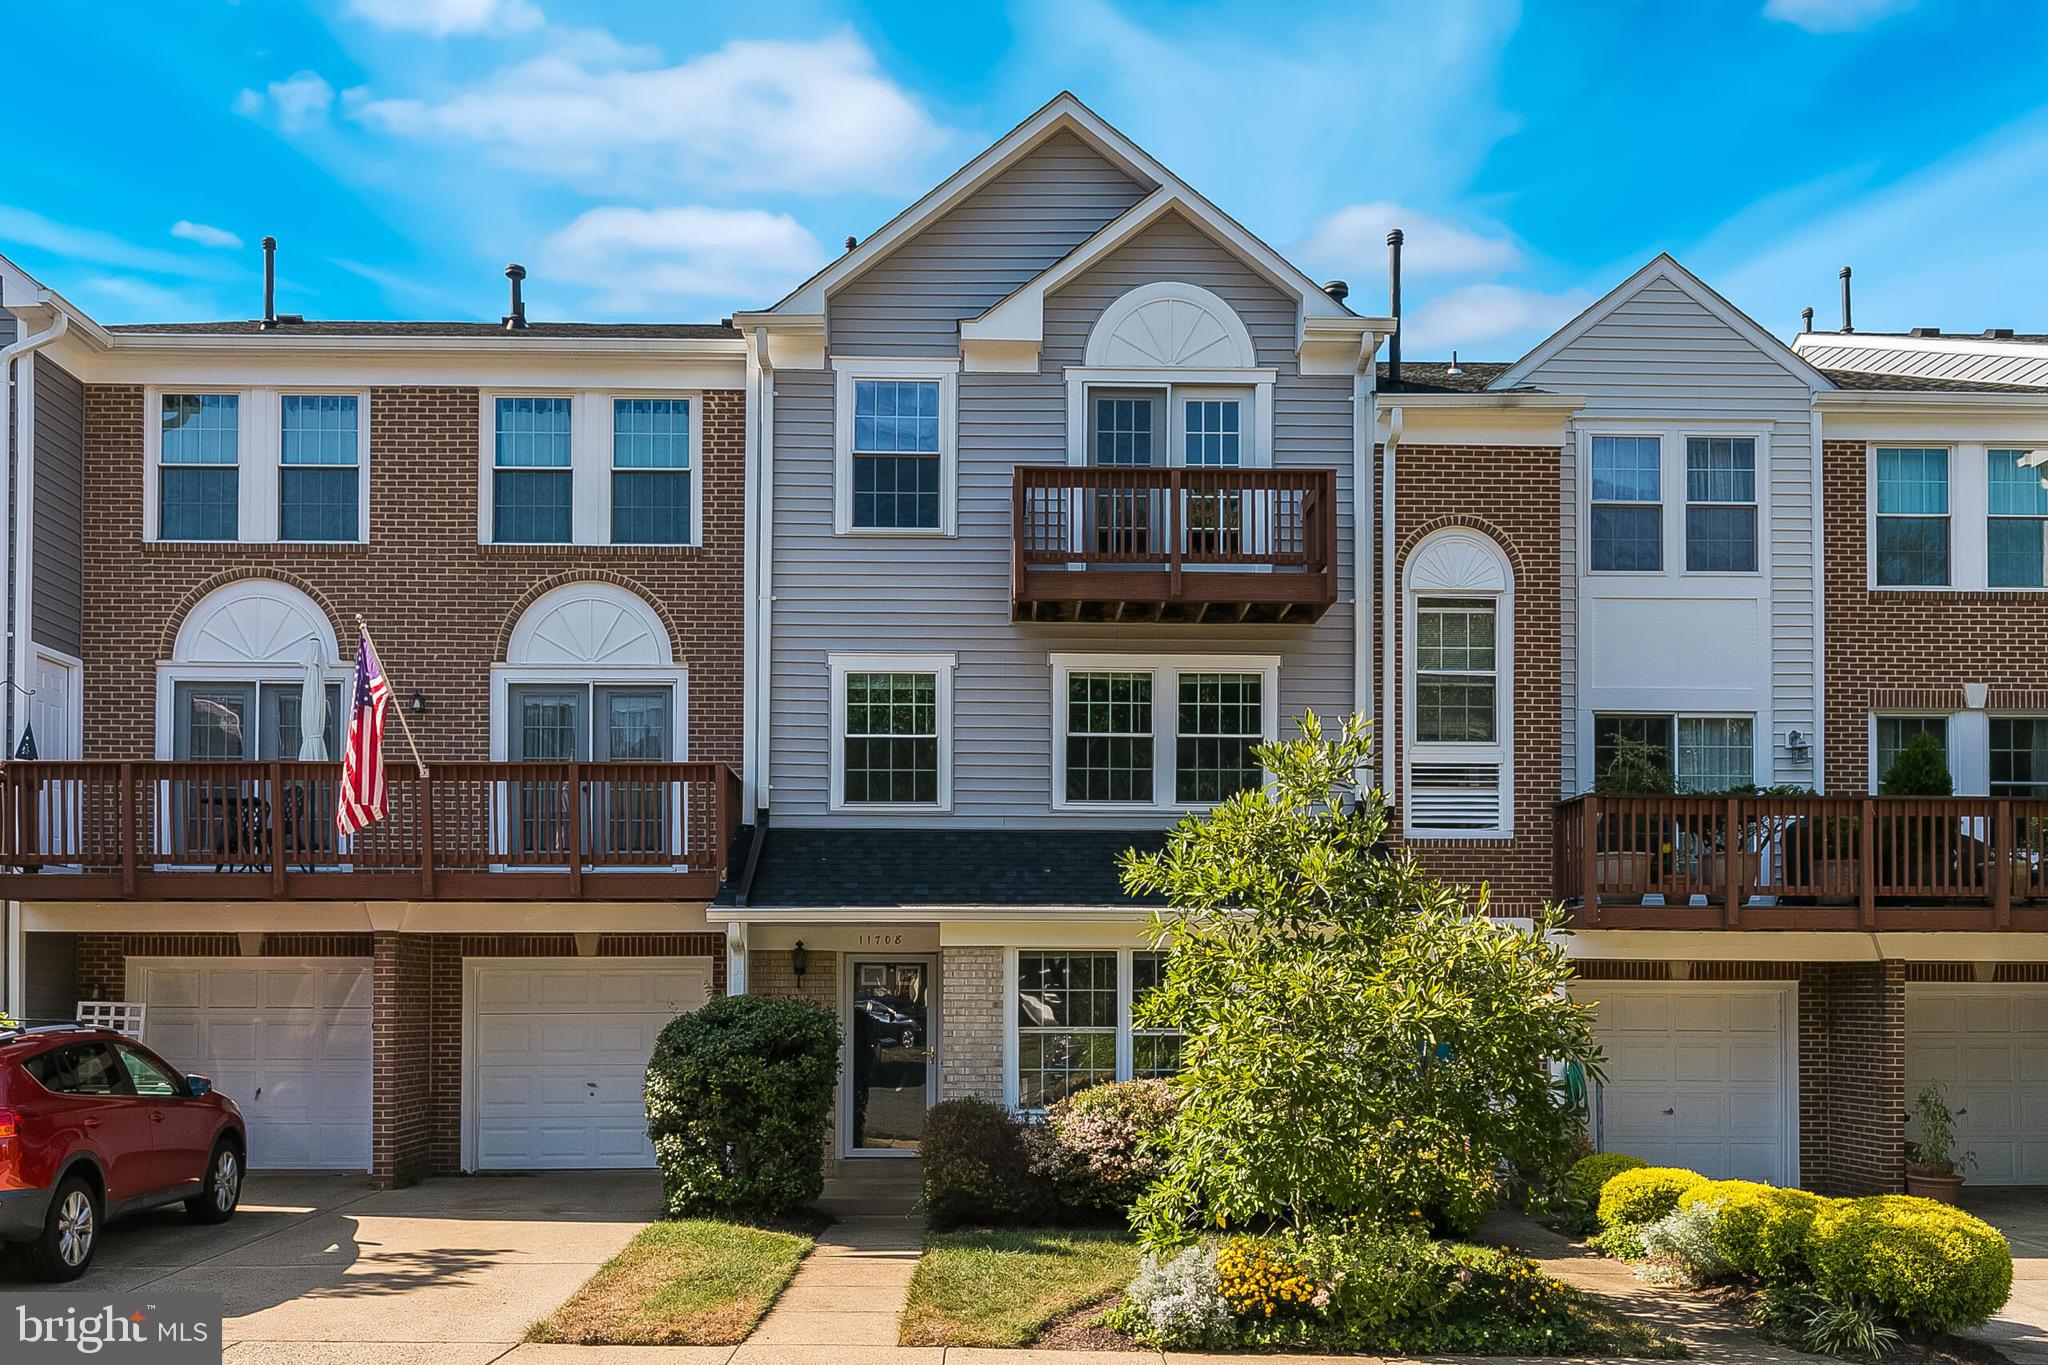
(1818, 862)
(486, 831)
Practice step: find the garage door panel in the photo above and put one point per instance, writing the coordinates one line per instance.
(1630, 1013)
(560, 1055)
(287, 1041)
(1757, 1063)
(1987, 1043)
(1987, 1014)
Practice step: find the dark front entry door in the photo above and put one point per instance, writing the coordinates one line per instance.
(892, 1054)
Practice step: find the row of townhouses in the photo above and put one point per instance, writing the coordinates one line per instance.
(835, 650)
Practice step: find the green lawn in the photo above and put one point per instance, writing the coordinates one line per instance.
(692, 1282)
(1001, 1287)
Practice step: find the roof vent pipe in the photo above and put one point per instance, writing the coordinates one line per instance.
(1806, 319)
(269, 283)
(1848, 324)
(1394, 240)
(515, 321)
(1337, 289)
(852, 242)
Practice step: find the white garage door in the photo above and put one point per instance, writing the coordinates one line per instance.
(1698, 1077)
(1988, 1045)
(287, 1039)
(558, 1057)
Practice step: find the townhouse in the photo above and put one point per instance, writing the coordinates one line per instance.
(837, 653)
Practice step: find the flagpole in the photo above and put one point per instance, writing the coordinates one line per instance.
(403, 723)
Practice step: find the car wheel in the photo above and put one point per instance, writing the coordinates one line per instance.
(221, 1194)
(71, 1232)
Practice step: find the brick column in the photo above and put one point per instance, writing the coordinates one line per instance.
(971, 1023)
(401, 1138)
(1852, 1077)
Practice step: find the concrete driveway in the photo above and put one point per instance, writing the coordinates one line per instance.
(2021, 1331)
(321, 1269)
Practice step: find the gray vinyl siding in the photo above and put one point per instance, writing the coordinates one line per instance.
(908, 595)
(982, 250)
(1662, 356)
(57, 616)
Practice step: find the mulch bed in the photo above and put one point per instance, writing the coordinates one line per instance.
(1079, 1331)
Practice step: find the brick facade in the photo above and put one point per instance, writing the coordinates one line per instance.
(971, 1023)
(1852, 1077)
(442, 606)
(1901, 649)
(1511, 494)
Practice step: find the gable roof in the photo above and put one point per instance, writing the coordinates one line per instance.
(1663, 267)
(1064, 112)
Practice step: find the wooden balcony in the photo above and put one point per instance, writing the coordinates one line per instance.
(1804, 862)
(1173, 544)
(266, 831)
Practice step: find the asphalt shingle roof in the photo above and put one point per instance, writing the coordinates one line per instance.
(1434, 376)
(474, 330)
(823, 868)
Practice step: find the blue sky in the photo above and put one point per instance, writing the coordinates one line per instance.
(676, 161)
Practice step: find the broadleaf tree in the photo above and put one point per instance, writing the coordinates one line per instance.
(1361, 1041)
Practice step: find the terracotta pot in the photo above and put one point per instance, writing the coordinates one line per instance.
(1940, 1186)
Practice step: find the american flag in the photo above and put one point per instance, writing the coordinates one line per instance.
(362, 767)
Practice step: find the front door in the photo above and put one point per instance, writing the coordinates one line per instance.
(891, 1070)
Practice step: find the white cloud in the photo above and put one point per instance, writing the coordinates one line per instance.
(636, 261)
(1355, 237)
(440, 18)
(301, 101)
(812, 117)
(1834, 16)
(123, 298)
(24, 227)
(1504, 318)
(204, 233)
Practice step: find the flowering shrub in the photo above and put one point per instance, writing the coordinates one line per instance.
(1258, 1278)
(1096, 1144)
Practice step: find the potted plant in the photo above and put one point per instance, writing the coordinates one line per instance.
(1934, 1168)
(1633, 848)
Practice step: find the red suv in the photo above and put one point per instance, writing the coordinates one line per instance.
(93, 1125)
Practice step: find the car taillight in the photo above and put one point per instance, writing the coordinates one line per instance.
(10, 1123)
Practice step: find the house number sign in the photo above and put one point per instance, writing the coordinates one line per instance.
(886, 939)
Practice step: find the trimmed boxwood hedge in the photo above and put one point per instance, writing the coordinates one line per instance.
(1926, 1264)
(1589, 1175)
(1644, 1195)
(1760, 1230)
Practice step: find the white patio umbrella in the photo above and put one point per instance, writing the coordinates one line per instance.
(313, 707)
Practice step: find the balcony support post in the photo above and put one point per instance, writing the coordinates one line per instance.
(575, 830)
(2003, 864)
(426, 824)
(1589, 858)
(127, 833)
(1866, 866)
(272, 831)
(1176, 528)
(1733, 860)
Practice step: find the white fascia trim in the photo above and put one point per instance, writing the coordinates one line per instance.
(1165, 669)
(1664, 267)
(846, 370)
(1944, 401)
(269, 342)
(941, 666)
(1063, 112)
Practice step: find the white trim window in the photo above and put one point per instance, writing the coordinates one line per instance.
(1627, 523)
(1910, 544)
(533, 488)
(1069, 1022)
(1720, 504)
(892, 732)
(1890, 734)
(1458, 699)
(2019, 757)
(2016, 529)
(199, 466)
(653, 498)
(1141, 733)
(1704, 753)
(320, 475)
(894, 441)
(590, 467)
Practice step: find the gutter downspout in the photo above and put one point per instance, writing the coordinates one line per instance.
(20, 472)
(762, 556)
(1364, 425)
(1389, 698)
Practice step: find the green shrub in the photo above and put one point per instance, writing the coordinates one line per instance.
(1921, 769)
(1925, 1264)
(977, 1166)
(1644, 1195)
(739, 1099)
(1097, 1144)
(1762, 1230)
(1589, 1175)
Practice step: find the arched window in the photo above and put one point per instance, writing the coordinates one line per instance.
(1171, 377)
(235, 684)
(1458, 776)
(589, 674)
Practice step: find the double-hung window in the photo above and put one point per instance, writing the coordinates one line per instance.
(1894, 733)
(1628, 510)
(2019, 756)
(319, 467)
(652, 498)
(1912, 517)
(2016, 531)
(1456, 675)
(1073, 1024)
(199, 459)
(894, 431)
(893, 731)
(1142, 733)
(1720, 504)
(532, 482)
(1704, 754)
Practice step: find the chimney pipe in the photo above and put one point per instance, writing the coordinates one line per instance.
(269, 283)
(1806, 319)
(515, 321)
(1394, 240)
(1337, 289)
(1848, 324)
